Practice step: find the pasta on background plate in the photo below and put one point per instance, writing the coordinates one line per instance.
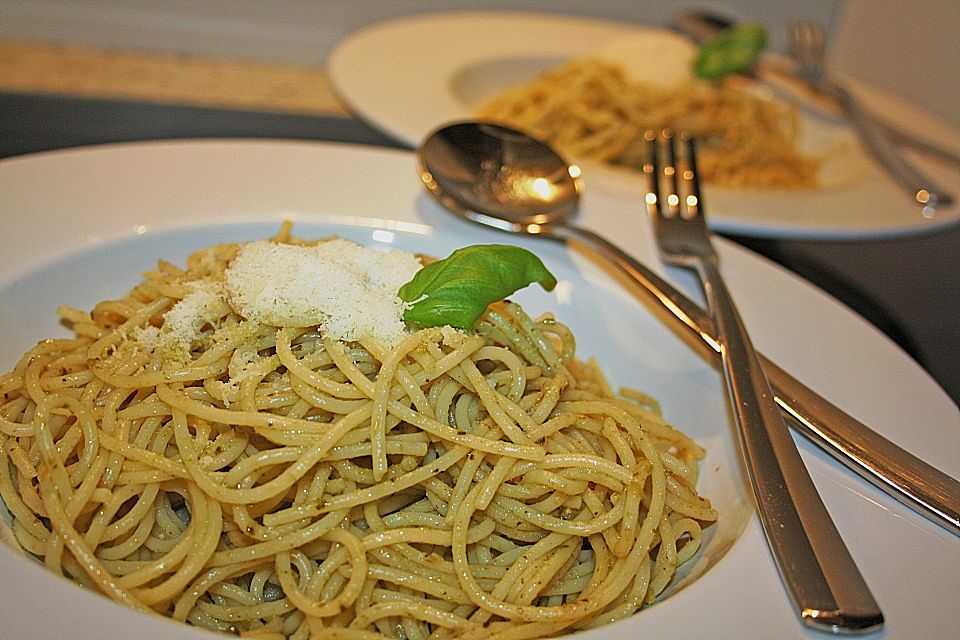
(591, 109)
(267, 479)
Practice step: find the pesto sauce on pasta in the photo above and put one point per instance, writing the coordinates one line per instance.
(274, 482)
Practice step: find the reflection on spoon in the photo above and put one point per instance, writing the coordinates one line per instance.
(500, 177)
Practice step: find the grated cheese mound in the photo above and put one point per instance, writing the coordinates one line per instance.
(348, 290)
(659, 59)
(182, 324)
(203, 304)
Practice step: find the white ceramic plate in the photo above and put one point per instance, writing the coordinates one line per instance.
(410, 76)
(82, 225)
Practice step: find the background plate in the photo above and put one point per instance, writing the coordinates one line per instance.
(412, 75)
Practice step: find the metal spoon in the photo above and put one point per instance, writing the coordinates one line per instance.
(503, 178)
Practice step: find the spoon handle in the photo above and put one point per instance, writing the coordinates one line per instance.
(925, 489)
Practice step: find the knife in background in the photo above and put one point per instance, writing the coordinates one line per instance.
(701, 26)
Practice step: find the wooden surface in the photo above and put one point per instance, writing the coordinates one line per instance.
(226, 84)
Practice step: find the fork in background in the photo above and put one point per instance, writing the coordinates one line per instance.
(820, 575)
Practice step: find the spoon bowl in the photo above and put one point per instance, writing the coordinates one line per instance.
(500, 177)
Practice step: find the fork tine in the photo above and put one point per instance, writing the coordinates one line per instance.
(660, 170)
(671, 174)
(651, 170)
(673, 198)
(694, 204)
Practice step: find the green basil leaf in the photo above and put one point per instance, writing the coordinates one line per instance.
(458, 289)
(733, 50)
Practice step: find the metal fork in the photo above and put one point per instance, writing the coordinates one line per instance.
(809, 50)
(820, 575)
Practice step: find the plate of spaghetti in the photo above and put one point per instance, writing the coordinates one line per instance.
(771, 164)
(227, 411)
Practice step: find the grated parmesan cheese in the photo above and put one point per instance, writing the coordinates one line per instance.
(203, 304)
(660, 59)
(348, 290)
(148, 337)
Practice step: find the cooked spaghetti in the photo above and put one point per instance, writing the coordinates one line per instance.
(589, 109)
(277, 483)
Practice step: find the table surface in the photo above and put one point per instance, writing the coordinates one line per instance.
(54, 97)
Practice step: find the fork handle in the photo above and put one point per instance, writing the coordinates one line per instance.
(821, 576)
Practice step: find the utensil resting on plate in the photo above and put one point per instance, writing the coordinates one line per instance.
(809, 50)
(829, 592)
(700, 26)
(505, 179)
